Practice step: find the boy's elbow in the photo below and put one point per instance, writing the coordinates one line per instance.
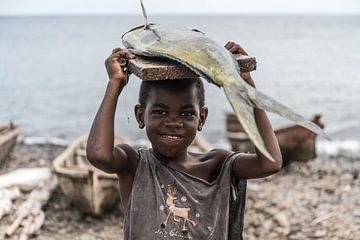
(274, 166)
(98, 158)
(273, 170)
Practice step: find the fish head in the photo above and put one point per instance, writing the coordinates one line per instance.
(190, 47)
(160, 38)
(140, 38)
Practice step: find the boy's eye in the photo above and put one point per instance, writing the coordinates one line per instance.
(159, 112)
(188, 114)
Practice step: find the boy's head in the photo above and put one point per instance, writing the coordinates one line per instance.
(171, 111)
(175, 84)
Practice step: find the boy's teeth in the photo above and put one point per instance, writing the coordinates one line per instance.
(171, 137)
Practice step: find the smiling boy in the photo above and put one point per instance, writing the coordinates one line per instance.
(166, 191)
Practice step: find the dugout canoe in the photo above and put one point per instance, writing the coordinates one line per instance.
(91, 190)
(8, 136)
(296, 143)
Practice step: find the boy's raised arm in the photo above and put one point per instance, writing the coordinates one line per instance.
(257, 165)
(100, 146)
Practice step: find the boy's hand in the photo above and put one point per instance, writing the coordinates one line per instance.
(235, 48)
(113, 68)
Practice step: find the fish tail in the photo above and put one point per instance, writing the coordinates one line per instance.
(260, 100)
(245, 114)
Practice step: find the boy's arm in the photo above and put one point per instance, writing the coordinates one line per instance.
(100, 146)
(257, 165)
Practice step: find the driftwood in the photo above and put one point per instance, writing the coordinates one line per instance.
(25, 178)
(164, 69)
(6, 197)
(29, 214)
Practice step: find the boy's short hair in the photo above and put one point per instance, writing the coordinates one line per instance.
(174, 84)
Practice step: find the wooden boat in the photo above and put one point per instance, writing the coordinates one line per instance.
(90, 189)
(8, 136)
(296, 143)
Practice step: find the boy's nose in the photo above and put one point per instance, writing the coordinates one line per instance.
(174, 124)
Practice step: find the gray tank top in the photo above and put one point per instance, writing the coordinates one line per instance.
(169, 204)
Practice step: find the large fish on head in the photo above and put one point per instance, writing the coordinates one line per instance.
(216, 64)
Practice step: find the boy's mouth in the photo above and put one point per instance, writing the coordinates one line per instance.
(171, 137)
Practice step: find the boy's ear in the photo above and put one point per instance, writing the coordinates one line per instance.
(139, 114)
(202, 119)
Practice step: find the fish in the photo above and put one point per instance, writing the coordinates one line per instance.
(217, 65)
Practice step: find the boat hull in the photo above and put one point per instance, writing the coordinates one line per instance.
(296, 143)
(91, 190)
(8, 137)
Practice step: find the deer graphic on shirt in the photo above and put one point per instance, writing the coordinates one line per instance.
(177, 212)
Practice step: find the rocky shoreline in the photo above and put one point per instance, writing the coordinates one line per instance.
(314, 200)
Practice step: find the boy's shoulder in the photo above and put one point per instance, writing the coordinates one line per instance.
(219, 153)
(209, 164)
(215, 157)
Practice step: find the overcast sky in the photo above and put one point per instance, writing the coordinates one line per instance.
(35, 7)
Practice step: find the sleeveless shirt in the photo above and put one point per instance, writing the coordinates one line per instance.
(169, 204)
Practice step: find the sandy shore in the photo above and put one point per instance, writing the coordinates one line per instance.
(315, 200)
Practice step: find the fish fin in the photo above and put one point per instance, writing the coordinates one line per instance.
(260, 100)
(245, 114)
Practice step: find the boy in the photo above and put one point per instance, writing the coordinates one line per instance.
(166, 191)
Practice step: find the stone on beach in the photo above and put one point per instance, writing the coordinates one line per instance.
(314, 200)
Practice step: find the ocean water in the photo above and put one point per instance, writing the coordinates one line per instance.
(52, 75)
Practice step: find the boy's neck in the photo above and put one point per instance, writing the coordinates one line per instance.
(173, 161)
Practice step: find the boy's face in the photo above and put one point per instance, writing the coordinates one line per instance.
(171, 118)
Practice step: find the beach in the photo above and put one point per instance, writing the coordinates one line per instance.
(314, 200)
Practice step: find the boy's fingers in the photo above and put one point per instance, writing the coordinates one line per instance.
(116, 50)
(130, 55)
(229, 45)
(245, 75)
(124, 54)
(115, 56)
(235, 48)
(242, 51)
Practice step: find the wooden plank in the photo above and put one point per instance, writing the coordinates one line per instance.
(149, 69)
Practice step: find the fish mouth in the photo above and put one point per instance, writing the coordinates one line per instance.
(141, 26)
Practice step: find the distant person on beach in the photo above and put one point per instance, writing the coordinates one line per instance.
(166, 191)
